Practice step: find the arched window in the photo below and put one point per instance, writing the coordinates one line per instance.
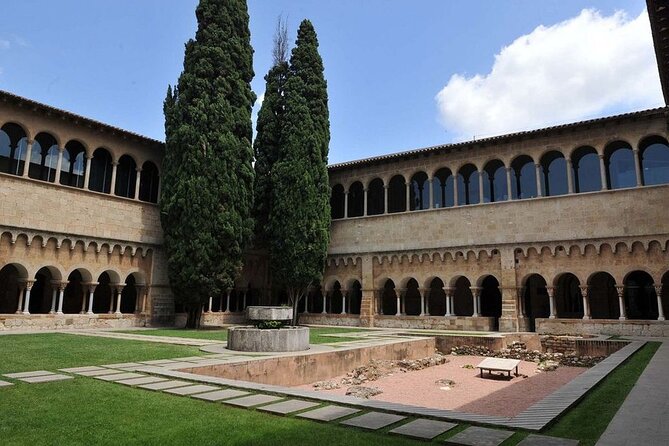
(524, 178)
(640, 297)
(13, 145)
(494, 182)
(44, 158)
(468, 185)
(337, 202)
(397, 194)
(619, 162)
(389, 298)
(148, 183)
(442, 185)
(420, 192)
(463, 303)
(73, 166)
(585, 165)
(356, 200)
(126, 177)
(554, 168)
(101, 171)
(654, 152)
(603, 297)
(568, 297)
(375, 197)
(536, 303)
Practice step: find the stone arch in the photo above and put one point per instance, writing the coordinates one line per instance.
(126, 177)
(586, 169)
(442, 186)
(535, 299)
(12, 278)
(602, 296)
(356, 200)
(419, 190)
(491, 298)
(337, 202)
(468, 185)
(463, 300)
(554, 169)
(619, 164)
(13, 147)
(654, 159)
(640, 296)
(523, 178)
(44, 289)
(105, 291)
(375, 197)
(412, 297)
(397, 193)
(494, 182)
(73, 164)
(436, 298)
(354, 296)
(149, 182)
(44, 157)
(388, 298)
(101, 171)
(568, 297)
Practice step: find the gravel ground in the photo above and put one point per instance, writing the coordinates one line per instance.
(495, 395)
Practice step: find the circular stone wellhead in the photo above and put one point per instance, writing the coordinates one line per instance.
(259, 313)
(252, 339)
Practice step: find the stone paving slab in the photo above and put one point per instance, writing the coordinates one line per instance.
(45, 378)
(90, 368)
(424, 429)
(328, 413)
(190, 390)
(165, 385)
(143, 380)
(219, 395)
(159, 362)
(288, 406)
(95, 373)
(179, 365)
(543, 440)
(373, 420)
(120, 376)
(252, 400)
(479, 436)
(5, 384)
(28, 374)
(123, 365)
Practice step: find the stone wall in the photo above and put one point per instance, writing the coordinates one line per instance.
(348, 320)
(71, 321)
(436, 322)
(602, 326)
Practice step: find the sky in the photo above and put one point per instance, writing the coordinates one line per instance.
(401, 74)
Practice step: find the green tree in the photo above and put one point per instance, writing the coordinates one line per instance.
(207, 171)
(300, 213)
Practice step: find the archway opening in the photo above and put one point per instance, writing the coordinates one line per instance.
(126, 177)
(468, 185)
(442, 185)
(103, 295)
(397, 194)
(437, 298)
(354, 297)
(412, 298)
(491, 299)
(420, 192)
(654, 153)
(463, 301)
(375, 197)
(10, 287)
(554, 168)
(337, 202)
(389, 298)
(13, 147)
(129, 295)
(74, 297)
(603, 297)
(494, 182)
(356, 200)
(101, 171)
(536, 300)
(586, 171)
(568, 297)
(524, 178)
(335, 297)
(149, 181)
(44, 158)
(619, 162)
(73, 165)
(42, 292)
(640, 297)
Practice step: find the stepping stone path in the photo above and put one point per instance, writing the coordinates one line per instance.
(91, 371)
(5, 384)
(143, 380)
(190, 390)
(542, 440)
(479, 436)
(424, 429)
(252, 400)
(27, 374)
(373, 420)
(119, 376)
(219, 395)
(39, 376)
(328, 413)
(288, 406)
(165, 385)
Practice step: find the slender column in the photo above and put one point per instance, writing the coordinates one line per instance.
(509, 186)
(570, 179)
(84, 290)
(137, 182)
(87, 174)
(211, 301)
(422, 291)
(59, 164)
(602, 172)
(91, 295)
(586, 302)
(346, 204)
(26, 164)
(660, 310)
(227, 300)
(61, 297)
(364, 204)
(139, 293)
(306, 304)
(449, 292)
(119, 297)
(145, 298)
(621, 302)
(344, 293)
(520, 293)
(455, 190)
(325, 301)
(220, 304)
(551, 301)
(26, 304)
(398, 293)
(111, 303)
(112, 189)
(408, 196)
(19, 306)
(244, 293)
(538, 176)
(476, 291)
(637, 167)
(481, 186)
(430, 184)
(54, 296)
(385, 198)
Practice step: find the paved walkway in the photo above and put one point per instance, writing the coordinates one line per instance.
(642, 419)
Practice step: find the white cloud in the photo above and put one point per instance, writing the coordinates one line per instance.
(579, 68)
(259, 101)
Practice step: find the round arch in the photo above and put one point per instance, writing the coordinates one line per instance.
(654, 158)
(535, 299)
(375, 197)
(523, 178)
(602, 296)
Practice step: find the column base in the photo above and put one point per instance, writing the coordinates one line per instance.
(622, 318)
(26, 313)
(660, 318)
(551, 317)
(59, 313)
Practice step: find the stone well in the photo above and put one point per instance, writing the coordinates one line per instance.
(253, 339)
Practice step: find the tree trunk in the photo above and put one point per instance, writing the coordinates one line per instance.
(194, 313)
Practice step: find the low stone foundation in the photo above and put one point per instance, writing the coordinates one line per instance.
(609, 327)
(252, 339)
(460, 323)
(215, 319)
(346, 320)
(71, 321)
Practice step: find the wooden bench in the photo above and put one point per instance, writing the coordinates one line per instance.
(499, 365)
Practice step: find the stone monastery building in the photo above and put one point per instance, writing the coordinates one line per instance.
(561, 230)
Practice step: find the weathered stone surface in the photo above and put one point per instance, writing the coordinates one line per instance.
(425, 429)
(46, 378)
(139, 381)
(373, 420)
(92, 368)
(363, 392)
(288, 406)
(191, 390)
(328, 413)
(100, 372)
(165, 385)
(28, 374)
(252, 400)
(260, 313)
(5, 384)
(119, 376)
(543, 440)
(479, 436)
(251, 339)
(219, 395)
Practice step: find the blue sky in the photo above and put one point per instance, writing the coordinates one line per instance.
(401, 74)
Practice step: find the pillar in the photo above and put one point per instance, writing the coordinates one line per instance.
(244, 293)
(59, 164)
(586, 302)
(111, 303)
(476, 295)
(325, 301)
(227, 300)
(570, 177)
(422, 291)
(430, 192)
(660, 310)
(344, 293)
(211, 301)
(520, 291)
(84, 290)
(138, 182)
(551, 301)
(602, 172)
(91, 295)
(385, 198)
(408, 196)
(306, 303)
(112, 188)
(481, 186)
(538, 176)
(26, 165)
(449, 294)
(61, 297)
(345, 204)
(509, 186)
(398, 295)
(455, 189)
(637, 167)
(139, 293)
(119, 296)
(87, 174)
(54, 296)
(364, 203)
(26, 303)
(621, 302)
(145, 298)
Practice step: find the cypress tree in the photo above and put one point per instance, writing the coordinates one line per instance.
(207, 171)
(300, 212)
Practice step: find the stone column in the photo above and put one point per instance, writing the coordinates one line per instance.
(398, 294)
(19, 305)
(54, 296)
(430, 181)
(325, 301)
(586, 302)
(61, 297)
(26, 303)
(87, 173)
(621, 302)
(520, 291)
(455, 190)
(422, 292)
(637, 167)
(211, 301)
(111, 301)
(227, 300)
(570, 177)
(344, 293)
(364, 202)
(481, 194)
(345, 204)
(59, 164)
(408, 196)
(660, 310)
(602, 172)
(119, 297)
(385, 198)
(145, 298)
(538, 176)
(138, 180)
(509, 186)
(448, 291)
(139, 293)
(306, 303)
(476, 296)
(244, 293)
(551, 301)
(26, 165)
(91, 295)
(112, 188)
(84, 290)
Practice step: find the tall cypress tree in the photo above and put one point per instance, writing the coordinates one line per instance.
(207, 171)
(300, 212)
